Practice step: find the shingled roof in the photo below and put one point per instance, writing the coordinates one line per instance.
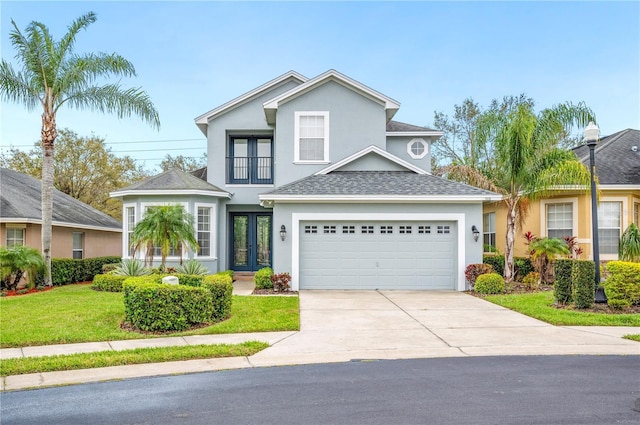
(172, 181)
(397, 127)
(617, 161)
(378, 184)
(20, 201)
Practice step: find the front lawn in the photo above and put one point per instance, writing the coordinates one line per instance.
(539, 305)
(77, 313)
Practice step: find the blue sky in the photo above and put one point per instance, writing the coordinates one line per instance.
(194, 56)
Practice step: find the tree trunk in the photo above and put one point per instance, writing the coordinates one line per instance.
(509, 267)
(49, 134)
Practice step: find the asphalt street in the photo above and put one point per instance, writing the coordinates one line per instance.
(476, 390)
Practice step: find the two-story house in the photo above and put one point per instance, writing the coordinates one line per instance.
(313, 177)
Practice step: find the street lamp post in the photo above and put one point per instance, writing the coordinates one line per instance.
(591, 134)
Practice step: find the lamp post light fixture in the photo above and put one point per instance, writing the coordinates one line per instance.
(591, 134)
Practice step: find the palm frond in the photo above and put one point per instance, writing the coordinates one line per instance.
(68, 40)
(470, 176)
(16, 88)
(114, 99)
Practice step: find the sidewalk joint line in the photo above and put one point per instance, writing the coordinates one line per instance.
(416, 320)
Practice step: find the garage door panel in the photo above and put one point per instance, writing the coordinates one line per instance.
(377, 255)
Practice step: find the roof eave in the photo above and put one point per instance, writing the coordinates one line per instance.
(430, 133)
(60, 224)
(380, 198)
(123, 193)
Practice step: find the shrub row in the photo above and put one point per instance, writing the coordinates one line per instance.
(67, 270)
(108, 282)
(583, 277)
(562, 285)
(622, 287)
(522, 264)
(152, 306)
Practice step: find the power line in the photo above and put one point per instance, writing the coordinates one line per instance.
(125, 143)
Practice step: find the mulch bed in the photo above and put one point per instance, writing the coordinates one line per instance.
(20, 292)
(272, 292)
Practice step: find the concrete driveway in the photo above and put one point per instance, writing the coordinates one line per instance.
(346, 325)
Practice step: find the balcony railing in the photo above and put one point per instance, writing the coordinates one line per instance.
(250, 170)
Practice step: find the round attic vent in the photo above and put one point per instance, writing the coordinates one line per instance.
(634, 148)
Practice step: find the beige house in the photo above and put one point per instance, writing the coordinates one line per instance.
(79, 231)
(569, 213)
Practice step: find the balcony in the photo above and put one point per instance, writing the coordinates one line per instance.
(250, 170)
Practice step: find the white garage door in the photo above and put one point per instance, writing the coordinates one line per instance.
(377, 255)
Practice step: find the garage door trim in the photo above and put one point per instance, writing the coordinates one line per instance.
(296, 218)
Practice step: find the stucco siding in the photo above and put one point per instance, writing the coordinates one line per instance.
(398, 147)
(355, 122)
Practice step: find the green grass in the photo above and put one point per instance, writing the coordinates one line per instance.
(77, 313)
(633, 337)
(539, 305)
(21, 366)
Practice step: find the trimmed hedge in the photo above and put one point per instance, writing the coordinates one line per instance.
(562, 287)
(622, 287)
(152, 307)
(108, 282)
(263, 278)
(495, 261)
(151, 278)
(522, 265)
(583, 277)
(490, 283)
(189, 279)
(67, 270)
(221, 288)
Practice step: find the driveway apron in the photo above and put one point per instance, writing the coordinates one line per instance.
(347, 325)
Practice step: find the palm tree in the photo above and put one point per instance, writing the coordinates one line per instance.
(543, 252)
(527, 163)
(629, 249)
(166, 226)
(53, 75)
(15, 262)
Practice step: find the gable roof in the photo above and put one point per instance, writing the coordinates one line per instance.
(270, 106)
(204, 119)
(20, 202)
(399, 129)
(617, 163)
(377, 186)
(377, 151)
(172, 182)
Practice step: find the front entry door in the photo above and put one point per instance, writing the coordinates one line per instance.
(250, 241)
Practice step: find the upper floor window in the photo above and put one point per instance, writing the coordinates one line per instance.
(250, 160)
(489, 232)
(609, 227)
(15, 236)
(417, 148)
(311, 137)
(78, 245)
(560, 220)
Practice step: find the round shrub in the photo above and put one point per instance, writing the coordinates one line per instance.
(155, 307)
(108, 282)
(623, 282)
(472, 272)
(263, 278)
(490, 283)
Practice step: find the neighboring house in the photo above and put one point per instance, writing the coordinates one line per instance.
(312, 177)
(568, 213)
(79, 231)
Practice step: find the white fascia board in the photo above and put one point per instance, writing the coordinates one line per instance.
(426, 133)
(377, 150)
(119, 194)
(379, 198)
(619, 186)
(204, 118)
(334, 75)
(61, 224)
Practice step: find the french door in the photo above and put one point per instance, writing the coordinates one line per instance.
(250, 241)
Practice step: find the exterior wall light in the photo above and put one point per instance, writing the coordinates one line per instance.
(283, 233)
(476, 232)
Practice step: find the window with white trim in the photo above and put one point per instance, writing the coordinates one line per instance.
(609, 226)
(489, 232)
(156, 251)
(14, 236)
(417, 148)
(559, 220)
(131, 224)
(312, 136)
(204, 231)
(78, 245)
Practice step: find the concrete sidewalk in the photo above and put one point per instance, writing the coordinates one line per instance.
(339, 326)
